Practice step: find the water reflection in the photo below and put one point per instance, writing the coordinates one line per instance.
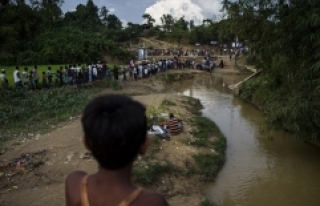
(262, 167)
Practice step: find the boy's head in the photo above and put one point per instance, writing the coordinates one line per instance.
(115, 129)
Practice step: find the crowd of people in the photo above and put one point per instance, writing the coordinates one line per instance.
(81, 74)
(65, 75)
(175, 52)
(191, 52)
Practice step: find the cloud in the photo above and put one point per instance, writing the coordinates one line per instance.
(112, 10)
(196, 10)
(124, 23)
(210, 8)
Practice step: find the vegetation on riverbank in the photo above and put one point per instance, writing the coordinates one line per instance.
(284, 49)
(23, 112)
(204, 136)
(290, 110)
(178, 169)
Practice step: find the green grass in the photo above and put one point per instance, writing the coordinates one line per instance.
(148, 171)
(40, 68)
(167, 102)
(193, 105)
(23, 112)
(203, 130)
(207, 202)
(149, 174)
(207, 165)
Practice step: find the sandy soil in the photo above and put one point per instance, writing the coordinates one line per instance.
(62, 151)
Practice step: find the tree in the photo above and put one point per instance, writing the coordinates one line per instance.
(182, 23)
(167, 21)
(191, 23)
(149, 20)
(177, 35)
(104, 12)
(284, 36)
(113, 22)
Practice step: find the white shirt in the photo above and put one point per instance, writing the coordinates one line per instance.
(2, 77)
(95, 71)
(25, 76)
(16, 76)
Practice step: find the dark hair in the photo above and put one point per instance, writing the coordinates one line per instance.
(171, 115)
(17, 67)
(115, 127)
(26, 69)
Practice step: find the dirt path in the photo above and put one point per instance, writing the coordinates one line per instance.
(61, 151)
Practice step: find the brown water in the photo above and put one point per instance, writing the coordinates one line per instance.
(262, 167)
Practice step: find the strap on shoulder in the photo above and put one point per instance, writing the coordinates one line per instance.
(84, 192)
(131, 198)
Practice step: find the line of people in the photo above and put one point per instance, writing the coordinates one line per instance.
(65, 75)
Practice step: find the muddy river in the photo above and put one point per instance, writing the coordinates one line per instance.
(263, 168)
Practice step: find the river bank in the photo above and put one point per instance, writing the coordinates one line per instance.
(180, 169)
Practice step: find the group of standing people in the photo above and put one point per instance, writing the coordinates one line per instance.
(65, 75)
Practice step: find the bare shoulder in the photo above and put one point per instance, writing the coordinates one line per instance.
(151, 198)
(75, 176)
(72, 188)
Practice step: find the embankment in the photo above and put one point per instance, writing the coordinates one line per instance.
(180, 169)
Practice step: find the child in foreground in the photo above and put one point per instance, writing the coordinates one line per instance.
(115, 131)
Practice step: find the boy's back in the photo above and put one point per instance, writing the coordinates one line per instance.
(115, 132)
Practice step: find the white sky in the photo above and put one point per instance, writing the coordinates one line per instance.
(196, 10)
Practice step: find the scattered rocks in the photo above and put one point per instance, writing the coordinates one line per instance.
(26, 161)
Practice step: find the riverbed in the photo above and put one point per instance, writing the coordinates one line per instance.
(263, 167)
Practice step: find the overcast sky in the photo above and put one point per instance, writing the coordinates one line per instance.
(132, 10)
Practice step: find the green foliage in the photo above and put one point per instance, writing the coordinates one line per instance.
(284, 36)
(29, 112)
(207, 202)
(39, 33)
(193, 105)
(208, 165)
(167, 102)
(207, 135)
(177, 35)
(251, 60)
(151, 172)
(204, 130)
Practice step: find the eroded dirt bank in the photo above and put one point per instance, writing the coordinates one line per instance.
(179, 168)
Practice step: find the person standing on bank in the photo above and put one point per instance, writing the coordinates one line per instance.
(35, 77)
(16, 78)
(3, 79)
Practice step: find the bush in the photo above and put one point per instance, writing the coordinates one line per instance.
(251, 60)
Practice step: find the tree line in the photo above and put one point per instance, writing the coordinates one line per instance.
(38, 32)
(284, 36)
